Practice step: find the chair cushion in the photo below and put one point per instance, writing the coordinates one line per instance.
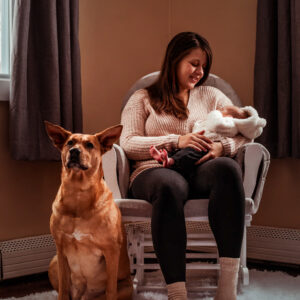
(194, 208)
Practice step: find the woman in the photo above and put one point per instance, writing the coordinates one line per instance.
(163, 116)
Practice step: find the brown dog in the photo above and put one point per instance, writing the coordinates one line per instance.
(92, 260)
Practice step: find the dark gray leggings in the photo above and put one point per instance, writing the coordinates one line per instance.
(220, 180)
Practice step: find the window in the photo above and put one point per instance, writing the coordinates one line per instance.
(5, 30)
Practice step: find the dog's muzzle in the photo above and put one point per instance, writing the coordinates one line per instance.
(74, 159)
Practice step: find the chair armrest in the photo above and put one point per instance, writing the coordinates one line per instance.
(109, 165)
(254, 160)
(116, 171)
(123, 170)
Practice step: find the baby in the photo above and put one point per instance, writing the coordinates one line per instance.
(225, 122)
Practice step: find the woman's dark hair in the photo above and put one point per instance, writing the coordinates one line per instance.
(163, 92)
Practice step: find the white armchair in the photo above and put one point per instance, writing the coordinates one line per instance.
(254, 160)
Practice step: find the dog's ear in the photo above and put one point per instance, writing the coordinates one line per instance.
(57, 134)
(108, 136)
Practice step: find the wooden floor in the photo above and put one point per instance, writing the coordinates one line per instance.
(22, 286)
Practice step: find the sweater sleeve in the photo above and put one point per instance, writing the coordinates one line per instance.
(133, 138)
(230, 145)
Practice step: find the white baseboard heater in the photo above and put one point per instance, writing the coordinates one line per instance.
(32, 255)
(274, 244)
(26, 256)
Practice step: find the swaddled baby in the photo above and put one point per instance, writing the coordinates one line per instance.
(230, 121)
(226, 122)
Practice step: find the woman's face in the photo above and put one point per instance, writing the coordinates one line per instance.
(191, 69)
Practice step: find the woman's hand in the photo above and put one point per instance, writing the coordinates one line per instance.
(195, 140)
(216, 150)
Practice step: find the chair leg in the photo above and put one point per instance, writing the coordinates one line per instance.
(140, 261)
(133, 253)
(131, 248)
(244, 272)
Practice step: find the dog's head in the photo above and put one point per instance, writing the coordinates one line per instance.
(82, 152)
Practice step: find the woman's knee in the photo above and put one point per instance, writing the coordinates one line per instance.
(172, 187)
(169, 193)
(227, 169)
(161, 184)
(228, 183)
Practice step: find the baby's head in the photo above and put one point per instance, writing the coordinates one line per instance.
(233, 112)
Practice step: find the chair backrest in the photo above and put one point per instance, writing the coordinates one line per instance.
(212, 80)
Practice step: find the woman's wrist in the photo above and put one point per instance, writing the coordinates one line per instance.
(227, 146)
(179, 142)
(221, 147)
(223, 150)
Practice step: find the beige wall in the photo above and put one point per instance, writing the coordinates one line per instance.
(121, 41)
(27, 190)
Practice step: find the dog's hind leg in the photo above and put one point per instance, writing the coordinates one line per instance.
(124, 264)
(53, 273)
(125, 285)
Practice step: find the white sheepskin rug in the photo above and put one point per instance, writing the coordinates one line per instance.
(263, 286)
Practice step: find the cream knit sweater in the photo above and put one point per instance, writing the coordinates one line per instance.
(143, 127)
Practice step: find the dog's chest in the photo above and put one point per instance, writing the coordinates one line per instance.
(84, 256)
(79, 236)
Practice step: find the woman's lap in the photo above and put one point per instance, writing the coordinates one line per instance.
(159, 180)
(221, 170)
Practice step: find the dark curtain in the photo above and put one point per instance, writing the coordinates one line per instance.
(277, 75)
(46, 80)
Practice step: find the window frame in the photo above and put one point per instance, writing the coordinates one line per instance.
(5, 78)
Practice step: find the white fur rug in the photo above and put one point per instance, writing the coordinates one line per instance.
(263, 286)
